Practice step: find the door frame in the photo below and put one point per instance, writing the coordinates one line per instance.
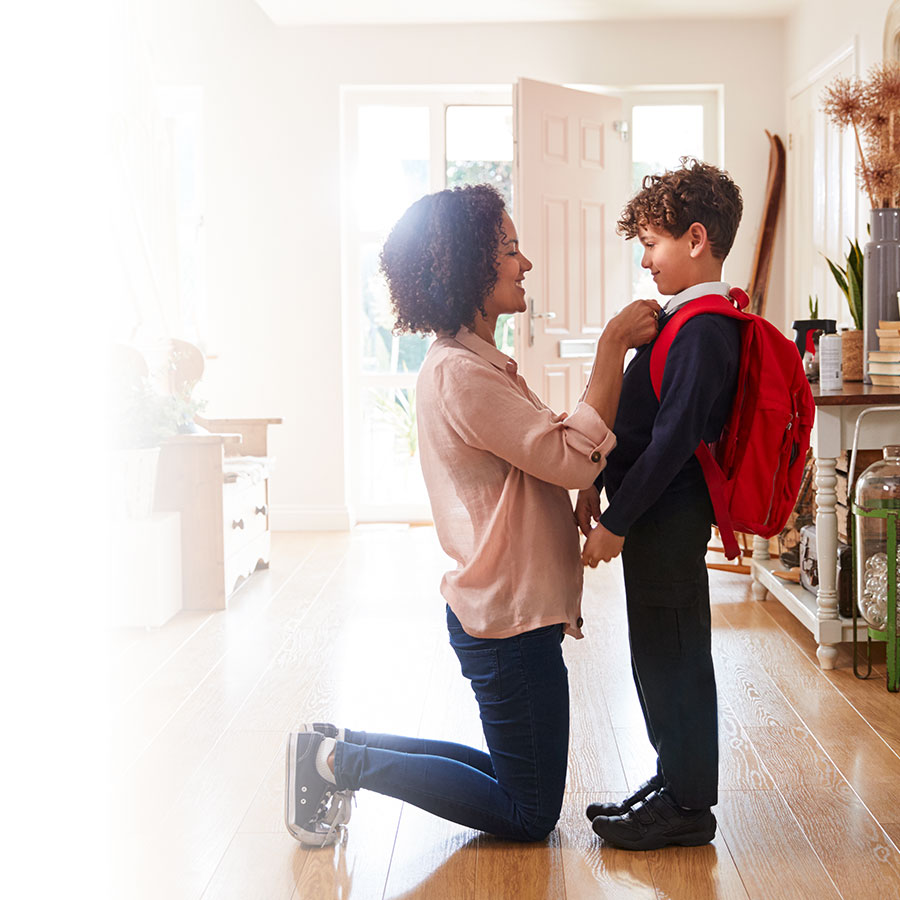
(437, 98)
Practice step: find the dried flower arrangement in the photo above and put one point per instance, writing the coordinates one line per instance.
(871, 106)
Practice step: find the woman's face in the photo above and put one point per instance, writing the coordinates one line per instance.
(508, 295)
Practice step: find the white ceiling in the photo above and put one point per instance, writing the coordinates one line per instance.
(394, 12)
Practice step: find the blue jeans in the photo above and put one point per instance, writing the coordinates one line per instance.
(515, 791)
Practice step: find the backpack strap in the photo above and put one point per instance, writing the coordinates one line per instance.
(712, 473)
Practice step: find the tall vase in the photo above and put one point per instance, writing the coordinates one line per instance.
(882, 276)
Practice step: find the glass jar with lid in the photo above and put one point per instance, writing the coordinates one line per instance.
(876, 515)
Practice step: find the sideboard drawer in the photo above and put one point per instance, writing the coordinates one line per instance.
(245, 513)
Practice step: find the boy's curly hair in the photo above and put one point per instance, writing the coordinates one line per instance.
(440, 259)
(673, 201)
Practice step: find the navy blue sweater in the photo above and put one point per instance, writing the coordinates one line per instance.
(656, 440)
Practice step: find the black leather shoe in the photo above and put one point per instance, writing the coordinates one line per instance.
(657, 822)
(622, 807)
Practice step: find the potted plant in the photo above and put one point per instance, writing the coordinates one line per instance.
(849, 278)
(142, 418)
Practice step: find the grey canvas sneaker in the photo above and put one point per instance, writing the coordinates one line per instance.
(314, 810)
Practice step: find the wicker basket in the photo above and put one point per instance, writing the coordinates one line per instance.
(852, 355)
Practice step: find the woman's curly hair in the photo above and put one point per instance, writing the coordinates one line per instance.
(673, 201)
(440, 259)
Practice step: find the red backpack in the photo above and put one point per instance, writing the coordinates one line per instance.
(754, 470)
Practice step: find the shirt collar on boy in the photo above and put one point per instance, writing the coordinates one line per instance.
(693, 292)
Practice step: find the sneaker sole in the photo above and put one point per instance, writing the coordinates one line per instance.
(304, 835)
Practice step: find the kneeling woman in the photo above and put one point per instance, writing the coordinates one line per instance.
(497, 464)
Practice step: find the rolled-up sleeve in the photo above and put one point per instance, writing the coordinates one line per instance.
(490, 411)
(588, 433)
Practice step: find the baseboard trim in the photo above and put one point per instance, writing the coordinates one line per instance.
(309, 518)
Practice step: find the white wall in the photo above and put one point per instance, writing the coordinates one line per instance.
(816, 33)
(817, 29)
(272, 136)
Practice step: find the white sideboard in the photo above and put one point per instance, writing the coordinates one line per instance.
(836, 415)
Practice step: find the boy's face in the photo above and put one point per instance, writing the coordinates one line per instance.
(669, 259)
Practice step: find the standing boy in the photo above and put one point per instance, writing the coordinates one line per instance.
(660, 513)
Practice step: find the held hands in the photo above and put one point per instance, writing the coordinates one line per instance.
(601, 544)
(637, 324)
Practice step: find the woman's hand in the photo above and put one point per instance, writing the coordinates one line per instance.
(587, 509)
(601, 544)
(635, 325)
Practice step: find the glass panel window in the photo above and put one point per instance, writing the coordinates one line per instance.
(390, 454)
(383, 351)
(393, 163)
(661, 135)
(479, 150)
(479, 147)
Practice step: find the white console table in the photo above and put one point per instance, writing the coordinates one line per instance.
(836, 414)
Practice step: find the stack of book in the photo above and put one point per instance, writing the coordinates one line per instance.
(884, 363)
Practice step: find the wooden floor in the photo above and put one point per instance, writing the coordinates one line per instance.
(348, 628)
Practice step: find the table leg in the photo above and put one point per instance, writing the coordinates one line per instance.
(760, 552)
(826, 553)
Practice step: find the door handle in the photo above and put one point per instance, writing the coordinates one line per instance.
(532, 315)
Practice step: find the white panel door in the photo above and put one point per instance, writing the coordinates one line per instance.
(571, 183)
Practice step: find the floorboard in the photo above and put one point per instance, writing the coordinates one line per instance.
(349, 627)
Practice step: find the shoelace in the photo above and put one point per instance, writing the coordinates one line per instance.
(335, 814)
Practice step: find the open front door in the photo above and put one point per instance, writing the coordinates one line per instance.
(571, 183)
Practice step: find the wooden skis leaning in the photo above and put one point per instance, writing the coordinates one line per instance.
(765, 241)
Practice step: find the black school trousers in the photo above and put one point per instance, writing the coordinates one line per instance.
(667, 595)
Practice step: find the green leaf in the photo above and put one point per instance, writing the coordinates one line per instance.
(854, 297)
(855, 261)
(839, 277)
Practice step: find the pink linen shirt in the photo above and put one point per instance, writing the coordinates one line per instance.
(497, 465)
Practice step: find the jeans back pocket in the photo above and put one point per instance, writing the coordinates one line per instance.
(482, 668)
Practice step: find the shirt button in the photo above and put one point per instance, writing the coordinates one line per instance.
(596, 456)
(579, 622)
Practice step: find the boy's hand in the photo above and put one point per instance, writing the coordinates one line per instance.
(601, 544)
(587, 509)
(637, 324)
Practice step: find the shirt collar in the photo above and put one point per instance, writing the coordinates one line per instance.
(482, 348)
(693, 292)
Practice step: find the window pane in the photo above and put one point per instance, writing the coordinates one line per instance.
(393, 163)
(480, 151)
(390, 455)
(479, 147)
(504, 334)
(661, 135)
(382, 351)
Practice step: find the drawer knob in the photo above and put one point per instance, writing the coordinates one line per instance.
(238, 523)
(262, 510)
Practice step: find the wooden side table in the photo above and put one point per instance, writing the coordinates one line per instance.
(836, 414)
